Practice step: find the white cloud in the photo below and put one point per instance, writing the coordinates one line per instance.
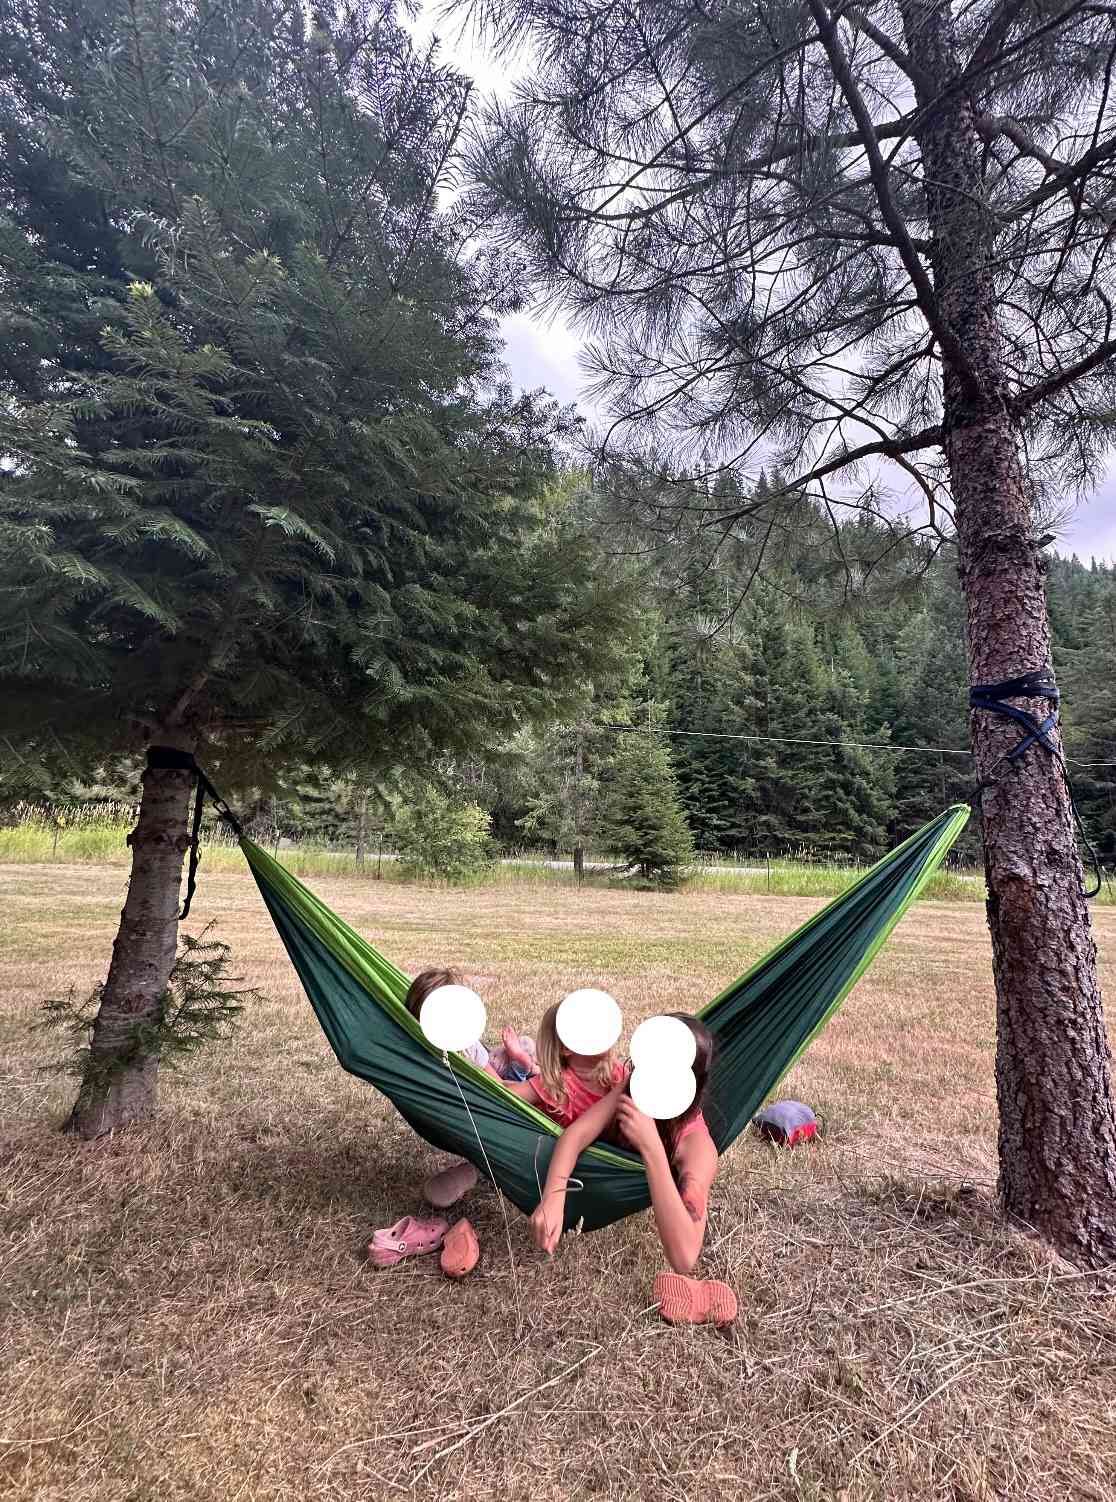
(543, 354)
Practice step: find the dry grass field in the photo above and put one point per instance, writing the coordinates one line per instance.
(186, 1311)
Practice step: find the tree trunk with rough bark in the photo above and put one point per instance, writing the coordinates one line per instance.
(120, 1082)
(362, 826)
(1057, 1136)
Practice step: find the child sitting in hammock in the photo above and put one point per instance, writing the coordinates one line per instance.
(568, 1084)
(512, 1062)
(512, 1059)
(681, 1162)
(564, 1086)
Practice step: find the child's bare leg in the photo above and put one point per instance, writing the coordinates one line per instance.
(514, 1049)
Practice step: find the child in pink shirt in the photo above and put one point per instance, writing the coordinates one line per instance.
(566, 1084)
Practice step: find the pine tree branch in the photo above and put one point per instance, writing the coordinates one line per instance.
(1042, 392)
(990, 52)
(888, 448)
(928, 302)
(754, 166)
(1064, 177)
(711, 109)
(891, 49)
(989, 127)
(999, 24)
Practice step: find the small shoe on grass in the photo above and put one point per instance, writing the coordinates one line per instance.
(447, 1187)
(406, 1238)
(461, 1251)
(694, 1301)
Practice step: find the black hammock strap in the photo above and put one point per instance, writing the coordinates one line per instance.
(168, 758)
(1039, 683)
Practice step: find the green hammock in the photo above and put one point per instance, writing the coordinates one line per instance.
(762, 1023)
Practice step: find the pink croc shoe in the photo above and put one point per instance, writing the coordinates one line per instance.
(406, 1238)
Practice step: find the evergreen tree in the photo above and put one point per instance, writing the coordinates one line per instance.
(1085, 657)
(765, 710)
(264, 496)
(932, 708)
(712, 697)
(641, 819)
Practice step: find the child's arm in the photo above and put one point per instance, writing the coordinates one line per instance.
(523, 1088)
(546, 1221)
(681, 1210)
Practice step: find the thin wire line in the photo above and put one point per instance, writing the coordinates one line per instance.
(492, 1178)
(779, 740)
(788, 740)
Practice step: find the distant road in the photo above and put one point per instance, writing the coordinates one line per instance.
(371, 856)
(596, 866)
(590, 866)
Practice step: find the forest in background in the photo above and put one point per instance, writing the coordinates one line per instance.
(766, 687)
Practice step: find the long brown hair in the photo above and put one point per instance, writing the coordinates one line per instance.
(424, 983)
(703, 1062)
(551, 1055)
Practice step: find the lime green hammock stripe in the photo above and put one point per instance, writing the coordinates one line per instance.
(762, 1023)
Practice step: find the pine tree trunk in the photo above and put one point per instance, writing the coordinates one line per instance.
(119, 1086)
(1057, 1135)
(362, 828)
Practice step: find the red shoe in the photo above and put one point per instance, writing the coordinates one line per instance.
(694, 1301)
(461, 1251)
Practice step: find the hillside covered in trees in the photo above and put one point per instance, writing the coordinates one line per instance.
(767, 702)
(860, 644)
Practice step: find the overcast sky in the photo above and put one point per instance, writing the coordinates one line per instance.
(543, 352)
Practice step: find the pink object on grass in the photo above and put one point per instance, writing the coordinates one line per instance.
(406, 1238)
(447, 1187)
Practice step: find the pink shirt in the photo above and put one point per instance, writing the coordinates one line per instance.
(695, 1124)
(579, 1096)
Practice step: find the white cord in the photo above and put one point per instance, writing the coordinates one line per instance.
(492, 1178)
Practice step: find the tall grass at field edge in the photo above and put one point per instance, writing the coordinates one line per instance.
(98, 837)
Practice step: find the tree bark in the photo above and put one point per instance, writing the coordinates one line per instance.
(120, 1085)
(1057, 1132)
(362, 826)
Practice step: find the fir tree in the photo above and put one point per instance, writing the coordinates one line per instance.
(642, 820)
(265, 497)
(1085, 660)
(932, 709)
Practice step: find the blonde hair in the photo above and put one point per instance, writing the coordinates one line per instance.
(424, 983)
(551, 1055)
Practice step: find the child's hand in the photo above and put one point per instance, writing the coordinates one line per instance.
(546, 1222)
(638, 1130)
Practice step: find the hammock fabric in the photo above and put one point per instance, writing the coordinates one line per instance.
(762, 1023)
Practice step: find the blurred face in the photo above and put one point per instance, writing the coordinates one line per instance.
(583, 1059)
